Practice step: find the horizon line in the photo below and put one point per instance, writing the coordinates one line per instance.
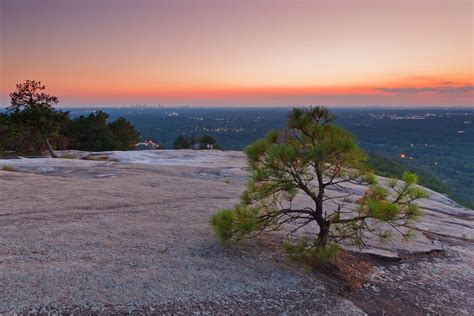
(377, 107)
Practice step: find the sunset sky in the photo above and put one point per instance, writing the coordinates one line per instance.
(241, 53)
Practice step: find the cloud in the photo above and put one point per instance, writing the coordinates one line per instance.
(438, 89)
(447, 82)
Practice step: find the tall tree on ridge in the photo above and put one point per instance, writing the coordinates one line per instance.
(34, 110)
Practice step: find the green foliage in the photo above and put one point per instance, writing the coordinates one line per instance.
(223, 222)
(91, 133)
(203, 142)
(94, 133)
(207, 140)
(308, 157)
(303, 251)
(233, 224)
(9, 168)
(29, 95)
(369, 178)
(387, 167)
(125, 133)
(5, 134)
(396, 206)
(32, 125)
(409, 177)
(181, 142)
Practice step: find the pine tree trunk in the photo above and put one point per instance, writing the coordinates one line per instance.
(50, 149)
(323, 233)
(38, 148)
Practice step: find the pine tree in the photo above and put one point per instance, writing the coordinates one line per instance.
(33, 111)
(181, 142)
(310, 157)
(125, 133)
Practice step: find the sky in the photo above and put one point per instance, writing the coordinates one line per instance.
(387, 53)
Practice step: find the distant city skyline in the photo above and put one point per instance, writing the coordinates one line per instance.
(100, 53)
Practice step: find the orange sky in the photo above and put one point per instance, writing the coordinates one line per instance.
(241, 53)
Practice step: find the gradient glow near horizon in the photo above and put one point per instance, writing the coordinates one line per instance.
(241, 53)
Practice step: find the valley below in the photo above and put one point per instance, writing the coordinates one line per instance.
(128, 232)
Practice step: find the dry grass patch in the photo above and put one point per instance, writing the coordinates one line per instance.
(352, 269)
(68, 156)
(99, 158)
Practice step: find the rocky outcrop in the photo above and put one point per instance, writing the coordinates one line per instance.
(131, 234)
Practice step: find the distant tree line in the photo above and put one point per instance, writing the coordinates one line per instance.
(194, 142)
(387, 167)
(32, 126)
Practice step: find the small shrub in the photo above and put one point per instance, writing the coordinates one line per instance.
(9, 168)
(303, 251)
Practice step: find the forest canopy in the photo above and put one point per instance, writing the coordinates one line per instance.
(32, 126)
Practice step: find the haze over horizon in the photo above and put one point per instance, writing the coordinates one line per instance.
(416, 53)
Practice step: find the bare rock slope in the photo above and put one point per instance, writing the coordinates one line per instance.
(132, 235)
